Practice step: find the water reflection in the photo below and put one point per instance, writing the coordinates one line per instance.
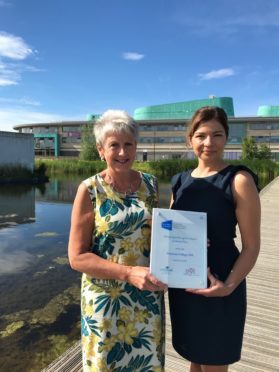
(39, 292)
(17, 205)
(64, 190)
(59, 190)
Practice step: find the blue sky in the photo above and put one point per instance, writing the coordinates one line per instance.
(65, 59)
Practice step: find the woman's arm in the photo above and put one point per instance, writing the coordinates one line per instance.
(171, 201)
(81, 259)
(248, 213)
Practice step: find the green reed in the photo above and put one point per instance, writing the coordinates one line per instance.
(163, 169)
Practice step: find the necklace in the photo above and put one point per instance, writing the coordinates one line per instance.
(113, 185)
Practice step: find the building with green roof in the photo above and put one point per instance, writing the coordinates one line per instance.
(182, 110)
(162, 130)
(268, 111)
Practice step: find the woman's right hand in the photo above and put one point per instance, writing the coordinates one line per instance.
(141, 278)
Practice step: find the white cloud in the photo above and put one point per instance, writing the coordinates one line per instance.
(12, 262)
(21, 101)
(13, 47)
(8, 75)
(15, 260)
(132, 56)
(10, 117)
(4, 81)
(217, 74)
(12, 50)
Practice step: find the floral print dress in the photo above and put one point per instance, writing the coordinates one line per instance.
(122, 326)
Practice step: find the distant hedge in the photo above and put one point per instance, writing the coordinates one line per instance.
(163, 169)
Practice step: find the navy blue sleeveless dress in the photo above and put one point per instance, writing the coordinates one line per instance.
(210, 330)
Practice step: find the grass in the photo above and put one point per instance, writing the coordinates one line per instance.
(163, 169)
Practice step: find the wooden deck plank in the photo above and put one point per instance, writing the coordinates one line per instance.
(261, 338)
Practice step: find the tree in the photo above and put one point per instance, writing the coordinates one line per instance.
(249, 148)
(264, 151)
(88, 143)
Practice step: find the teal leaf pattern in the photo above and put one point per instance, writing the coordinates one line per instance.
(92, 324)
(138, 363)
(116, 353)
(127, 348)
(145, 298)
(141, 340)
(105, 301)
(127, 227)
(108, 206)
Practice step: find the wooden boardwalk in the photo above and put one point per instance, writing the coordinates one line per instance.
(261, 340)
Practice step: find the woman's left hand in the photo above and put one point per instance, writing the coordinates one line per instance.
(217, 288)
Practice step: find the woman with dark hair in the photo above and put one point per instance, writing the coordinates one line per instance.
(208, 324)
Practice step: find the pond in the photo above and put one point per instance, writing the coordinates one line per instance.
(39, 307)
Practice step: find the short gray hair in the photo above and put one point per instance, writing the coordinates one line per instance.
(115, 121)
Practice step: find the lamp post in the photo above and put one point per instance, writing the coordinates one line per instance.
(269, 134)
(154, 140)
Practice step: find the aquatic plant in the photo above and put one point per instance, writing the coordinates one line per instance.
(11, 328)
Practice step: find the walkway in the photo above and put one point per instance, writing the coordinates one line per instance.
(261, 341)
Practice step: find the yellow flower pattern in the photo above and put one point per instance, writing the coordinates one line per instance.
(124, 313)
(130, 259)
(127, 333)
(142, 316)
(122, 327)
(108, 344)
(126, 244)
(102, 225)
(105, 325)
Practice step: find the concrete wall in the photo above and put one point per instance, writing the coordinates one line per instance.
(17, 149)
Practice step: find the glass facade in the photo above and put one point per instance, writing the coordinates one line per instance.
(46, 144)
(163, 128)
(70, 140)
(71, 129)
(236, 133)
(182, 110)
(159, 139)
(267, 139)
(264, 126)
(26, 130)
(38, 130)
(270, 111)
(166, 137)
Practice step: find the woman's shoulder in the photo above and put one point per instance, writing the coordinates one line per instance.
(149, 182)
(147, 177)
(179, 178)
(242, 173)
(91, 184)
(90, 181)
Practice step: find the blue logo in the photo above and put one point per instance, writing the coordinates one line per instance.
(167, 225)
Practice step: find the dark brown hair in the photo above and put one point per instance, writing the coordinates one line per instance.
(205, 114)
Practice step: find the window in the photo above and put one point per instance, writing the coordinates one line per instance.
(264, 126)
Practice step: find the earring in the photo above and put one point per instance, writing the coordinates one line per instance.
(102, 158)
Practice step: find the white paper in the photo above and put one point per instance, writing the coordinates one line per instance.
(179, 248)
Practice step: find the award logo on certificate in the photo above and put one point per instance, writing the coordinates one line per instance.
(179, 248)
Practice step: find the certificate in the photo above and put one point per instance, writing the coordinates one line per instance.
(179, 248)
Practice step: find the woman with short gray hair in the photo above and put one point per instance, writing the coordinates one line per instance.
(115, 121)
(121, 302)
